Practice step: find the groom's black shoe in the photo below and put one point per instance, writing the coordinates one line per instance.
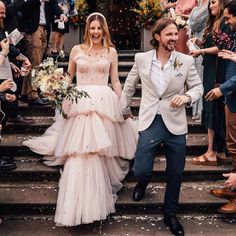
(139, 191)
(175, 227)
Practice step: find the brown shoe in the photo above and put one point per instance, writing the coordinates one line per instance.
(230, 207)
(223, 193)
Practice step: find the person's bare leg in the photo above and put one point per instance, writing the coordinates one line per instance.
(210, 154)
(54, 41)
(60, 44)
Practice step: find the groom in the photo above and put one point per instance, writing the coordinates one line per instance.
(169, 82)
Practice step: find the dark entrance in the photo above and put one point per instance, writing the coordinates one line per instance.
(122, 24)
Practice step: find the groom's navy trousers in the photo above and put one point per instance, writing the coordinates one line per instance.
(149, 143)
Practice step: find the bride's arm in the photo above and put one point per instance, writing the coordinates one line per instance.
(115, 82)
(72, 65)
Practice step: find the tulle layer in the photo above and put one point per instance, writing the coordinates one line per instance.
(94, 125)
(90, 144)
(101, 100)
(88, 188)
(85, 134)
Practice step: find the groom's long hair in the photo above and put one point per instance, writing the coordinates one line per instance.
(158, 27)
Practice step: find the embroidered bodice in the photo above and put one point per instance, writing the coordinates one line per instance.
(95, 66)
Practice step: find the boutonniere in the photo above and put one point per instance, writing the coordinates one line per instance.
(177, 64)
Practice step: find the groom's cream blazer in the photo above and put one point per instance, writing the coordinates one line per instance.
(183, 79)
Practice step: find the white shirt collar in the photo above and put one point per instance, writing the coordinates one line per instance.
(171, 59)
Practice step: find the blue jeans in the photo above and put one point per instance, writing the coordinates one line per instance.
(149, 143)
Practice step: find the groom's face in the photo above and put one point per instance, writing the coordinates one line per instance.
(168, 38)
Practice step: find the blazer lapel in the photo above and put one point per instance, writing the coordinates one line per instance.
(171, 72)
(148, 64)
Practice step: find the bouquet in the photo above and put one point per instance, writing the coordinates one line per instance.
(223, 40)
(54, 84)
(148, 12)
(180, 22)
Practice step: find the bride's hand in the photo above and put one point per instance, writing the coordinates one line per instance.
(68, 77)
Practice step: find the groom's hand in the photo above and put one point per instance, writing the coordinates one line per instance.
(179, 100)
(129, 115)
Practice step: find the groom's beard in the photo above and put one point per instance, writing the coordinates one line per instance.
(170, 45)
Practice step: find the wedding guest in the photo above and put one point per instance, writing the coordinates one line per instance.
(11, 109)
(162, 118)
(35, 22)
(58, 32)
(197, 22)
(4, 44)
(6, 163)
(94, 141)
(12, 14)
(228, 89)
(213, 117)
(183, 8)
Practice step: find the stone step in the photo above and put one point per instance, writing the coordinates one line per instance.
(122, 225)
(40, 198)
(49, 110)
(125, 225)
(31, 168)
(12, 144)
(43, 122)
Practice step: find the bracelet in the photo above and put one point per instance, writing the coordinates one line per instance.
(202, 52)
(3, 54)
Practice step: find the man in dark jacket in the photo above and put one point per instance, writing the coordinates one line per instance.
(6, 163)
(35, 21)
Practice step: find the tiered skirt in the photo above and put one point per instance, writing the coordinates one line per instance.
(94, 144)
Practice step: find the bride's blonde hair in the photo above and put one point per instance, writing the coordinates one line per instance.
(106, 41)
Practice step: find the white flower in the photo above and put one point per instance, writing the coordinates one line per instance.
(180, 21)
(33, 73)
(59, 71)
(54, 85)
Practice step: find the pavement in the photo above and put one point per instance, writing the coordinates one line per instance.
(125, 225)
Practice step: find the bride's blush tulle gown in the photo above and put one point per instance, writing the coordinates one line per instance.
(94, 143)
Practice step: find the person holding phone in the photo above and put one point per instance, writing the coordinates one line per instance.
(6, 163)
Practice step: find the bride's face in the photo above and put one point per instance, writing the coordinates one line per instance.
(96, 32)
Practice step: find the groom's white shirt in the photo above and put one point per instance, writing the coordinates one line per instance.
(160, 82)
(180, 78)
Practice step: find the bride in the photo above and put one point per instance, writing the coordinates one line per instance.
(95, 140)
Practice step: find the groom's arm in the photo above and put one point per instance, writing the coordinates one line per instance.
(129, 88)
(194, 83)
